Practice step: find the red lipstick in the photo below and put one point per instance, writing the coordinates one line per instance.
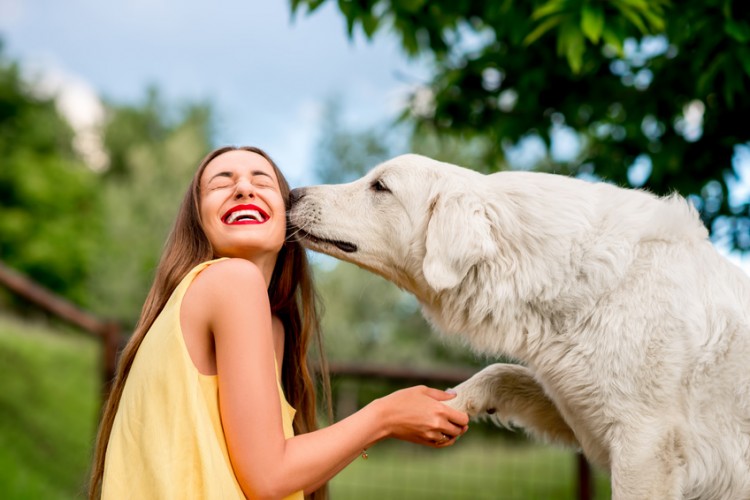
(244, 214)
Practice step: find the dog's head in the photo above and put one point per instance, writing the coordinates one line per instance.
(413, 220)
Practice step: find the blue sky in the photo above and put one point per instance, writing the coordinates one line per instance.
(266, 73)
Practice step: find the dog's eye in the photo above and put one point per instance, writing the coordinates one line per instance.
(379, 186)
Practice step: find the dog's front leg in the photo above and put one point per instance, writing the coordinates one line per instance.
(511, 395)
(648, 461)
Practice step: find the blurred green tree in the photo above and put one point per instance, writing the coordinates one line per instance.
(153, 148)
(93, 235)
(646, 94)
(49, 204)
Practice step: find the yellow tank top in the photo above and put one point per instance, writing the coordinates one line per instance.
(167, 440)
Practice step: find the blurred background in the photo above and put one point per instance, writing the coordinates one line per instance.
(107, 108)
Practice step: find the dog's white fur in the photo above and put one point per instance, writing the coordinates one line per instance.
(631, 330)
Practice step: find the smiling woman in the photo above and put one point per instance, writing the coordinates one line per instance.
(241, 188)
(213, 397)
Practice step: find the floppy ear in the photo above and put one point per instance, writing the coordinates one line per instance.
(458, 237)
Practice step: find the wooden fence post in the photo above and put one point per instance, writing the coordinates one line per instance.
(585, 484)
(111, 337)
(107, 331)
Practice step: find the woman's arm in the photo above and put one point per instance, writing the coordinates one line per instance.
(237, 312)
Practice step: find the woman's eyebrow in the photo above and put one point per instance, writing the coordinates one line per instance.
(261, 172)
(220, 174)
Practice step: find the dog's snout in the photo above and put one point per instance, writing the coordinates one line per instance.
(296, 194)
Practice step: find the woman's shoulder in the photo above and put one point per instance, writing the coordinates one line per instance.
(233, 269)
(227, 277)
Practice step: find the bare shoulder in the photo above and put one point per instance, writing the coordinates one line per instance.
(228, 277)
(232, 270)
(232, 286)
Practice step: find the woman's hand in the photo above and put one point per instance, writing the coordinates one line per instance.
(417, 415)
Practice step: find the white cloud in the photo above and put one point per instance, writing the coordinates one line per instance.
(77, 102)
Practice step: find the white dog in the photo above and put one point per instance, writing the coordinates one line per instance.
(632, 331)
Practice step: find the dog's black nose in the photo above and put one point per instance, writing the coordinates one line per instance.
(296, 194)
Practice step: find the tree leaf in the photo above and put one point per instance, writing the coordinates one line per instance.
(410, 5)
(549, 8)
(347, 8)
(743, 54)
(657, 22)
(709, 74)
(370, 24)
(636, 4)
(575, 45)
(592, 22)
(634, 18)
(542, 28)
(613, 39)
(312, 5)
(739, 30)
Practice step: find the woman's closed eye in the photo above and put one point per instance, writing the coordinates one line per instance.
(263, 183)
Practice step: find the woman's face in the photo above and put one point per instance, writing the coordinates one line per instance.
(242, 208)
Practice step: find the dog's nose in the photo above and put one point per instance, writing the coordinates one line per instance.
(296, 194)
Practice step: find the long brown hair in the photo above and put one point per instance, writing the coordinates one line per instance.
(292, 297)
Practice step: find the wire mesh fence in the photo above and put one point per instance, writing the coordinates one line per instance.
(488, 462)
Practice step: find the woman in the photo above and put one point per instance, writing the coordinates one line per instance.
(197, 408)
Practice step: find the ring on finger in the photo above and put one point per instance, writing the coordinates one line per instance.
(443, 439)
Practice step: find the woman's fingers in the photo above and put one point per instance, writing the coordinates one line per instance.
(438, 394)
(443, 440)
(455, 430)
(457, 417)
(417, 414)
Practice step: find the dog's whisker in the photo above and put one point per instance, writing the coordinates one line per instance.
(292, 236)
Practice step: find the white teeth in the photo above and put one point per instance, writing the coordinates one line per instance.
(244, 214)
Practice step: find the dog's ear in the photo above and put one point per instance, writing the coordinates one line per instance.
(458, 237)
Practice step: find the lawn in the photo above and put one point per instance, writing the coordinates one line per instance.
(48, 411)
(479, 466)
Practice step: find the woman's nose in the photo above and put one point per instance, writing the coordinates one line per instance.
(244, 188)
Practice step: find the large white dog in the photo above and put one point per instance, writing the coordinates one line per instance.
(632, 331)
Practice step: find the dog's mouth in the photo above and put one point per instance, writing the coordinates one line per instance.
(344, 246)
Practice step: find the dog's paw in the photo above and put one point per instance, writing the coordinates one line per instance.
(489, 392)
(468, 402)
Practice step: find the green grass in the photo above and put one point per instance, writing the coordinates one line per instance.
(479, 466)
(49, 397)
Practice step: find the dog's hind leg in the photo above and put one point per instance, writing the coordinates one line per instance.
(512, 396)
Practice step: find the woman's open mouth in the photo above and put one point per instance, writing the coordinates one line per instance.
(245, 214)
